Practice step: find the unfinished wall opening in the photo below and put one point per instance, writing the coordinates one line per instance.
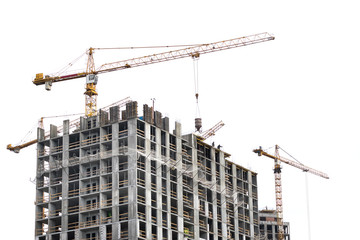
(55, 193)
(106, 167)
(123, 179)
(142, 230)
(153, 216)
(71, 235)
(140, 144)
(123, 129)
(124, 231)
(153, 167)
(106, 133)
(163, 186)
(106, 184)
(123, 163)
(174, 208)
(174, 222)
(55, 225)
(188, 214)
(164, 171)
(141, 195)
(55, 236)
(123, 196)
(123, 212)
(123, 145)
(173, 175)
(164, 219)
(91, 137)
(153, 199)
(163, 138)
(90, 169)
(73, 189)
(165, 233)
(74, 141)
(152, 134)
(106, 148)
(74, 157)
(57, 145)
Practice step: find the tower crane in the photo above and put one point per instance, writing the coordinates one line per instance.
(73, 123)
(278, 188)
(91, 72)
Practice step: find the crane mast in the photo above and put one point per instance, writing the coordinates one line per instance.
(278, 195)
(278, 186)
(91, 72)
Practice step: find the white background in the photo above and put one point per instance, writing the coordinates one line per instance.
(299, 91)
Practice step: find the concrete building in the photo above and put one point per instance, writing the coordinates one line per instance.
(120, 176)
(268, 225)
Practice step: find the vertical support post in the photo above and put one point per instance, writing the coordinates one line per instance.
(115, 180)
(179, 180)
(133, 225)
(65, 181)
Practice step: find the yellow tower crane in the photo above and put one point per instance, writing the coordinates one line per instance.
(91, 72)
(278, 187)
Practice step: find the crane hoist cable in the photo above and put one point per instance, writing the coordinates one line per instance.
(198, 120)
(196, 82)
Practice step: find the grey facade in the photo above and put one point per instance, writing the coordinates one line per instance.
(268, 225)
(120, 176)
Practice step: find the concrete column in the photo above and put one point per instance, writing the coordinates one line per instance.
(83, 124)
(195, 189)
(40, 134)
(133, 222)
(148, 182)
(222, 194)
(251, 206)
(39, 194)
(159, 186)
(177, 133)
(237, 202)
(167, 156)
(115, 181)
(53, 131)
(65, 181)
(213, 192)
(102, 232)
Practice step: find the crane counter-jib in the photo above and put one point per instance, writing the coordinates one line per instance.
(39, 79)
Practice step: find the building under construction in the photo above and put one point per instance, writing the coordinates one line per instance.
(120, 176)
(269, 225)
